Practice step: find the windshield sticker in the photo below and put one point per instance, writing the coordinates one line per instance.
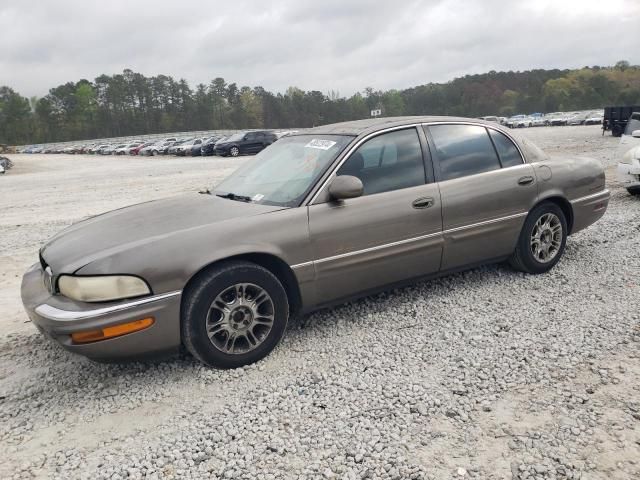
(320, 144)
(257, 197)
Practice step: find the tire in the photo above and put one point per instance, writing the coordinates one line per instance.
(524, 258)
(616, 131)
(200, 313)
(234, 151)
(634, 190)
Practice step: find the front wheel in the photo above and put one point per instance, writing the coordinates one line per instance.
(234, 315)
(542, 240)
(234, 151)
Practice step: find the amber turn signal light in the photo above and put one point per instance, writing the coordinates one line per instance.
(111, 332)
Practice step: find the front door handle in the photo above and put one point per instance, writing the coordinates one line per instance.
(424, 202)
(525, 180)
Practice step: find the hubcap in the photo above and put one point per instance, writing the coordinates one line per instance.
(546, 238)
(234, 152)
(240, 318)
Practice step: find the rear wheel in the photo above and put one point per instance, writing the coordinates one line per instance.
(542, 240)
(234, 315)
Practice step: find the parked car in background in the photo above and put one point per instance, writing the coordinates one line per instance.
(538, 121)
(337, 212)
(185, 148)
(594, 118)
(174, 148)
(126, 149)
(556, 119)
(516, 121)
(208, 145)
(136, 150)
(491, 119)
(285, 133)
(628, 155)
(577, 118)
(520, 121)
(99, 148)
(111, 150)
(245, 143)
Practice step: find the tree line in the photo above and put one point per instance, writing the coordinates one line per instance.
(130, 103)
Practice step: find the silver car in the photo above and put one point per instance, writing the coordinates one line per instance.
(317, 218)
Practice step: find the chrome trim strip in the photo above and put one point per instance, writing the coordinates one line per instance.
(593, 195)
(301, 265)
(52, 313)
(378, 247)
(414, 239)
(486, 222)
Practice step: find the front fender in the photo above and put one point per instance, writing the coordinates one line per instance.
(167, 263)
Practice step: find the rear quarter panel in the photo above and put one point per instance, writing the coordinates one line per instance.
(574, 179)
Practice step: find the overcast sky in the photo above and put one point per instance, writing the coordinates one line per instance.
(343, 45)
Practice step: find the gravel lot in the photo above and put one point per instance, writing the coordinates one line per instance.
(488, 374)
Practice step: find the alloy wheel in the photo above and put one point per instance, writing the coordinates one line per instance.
(234, 151)
(240, 318)
(546, 238)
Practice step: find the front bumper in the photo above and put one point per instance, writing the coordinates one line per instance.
(629, 173)
(58, 317)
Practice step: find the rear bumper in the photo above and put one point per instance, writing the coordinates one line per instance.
(589, 209)
(58, 317)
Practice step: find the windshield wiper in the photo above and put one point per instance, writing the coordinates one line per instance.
(233, 196)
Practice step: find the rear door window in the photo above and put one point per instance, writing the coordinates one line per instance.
(463, 150)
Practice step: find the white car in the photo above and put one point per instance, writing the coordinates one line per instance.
(628, 153)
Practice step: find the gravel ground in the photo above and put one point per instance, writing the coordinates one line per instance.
(488, 374)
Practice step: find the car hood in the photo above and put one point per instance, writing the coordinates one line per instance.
(134, 227)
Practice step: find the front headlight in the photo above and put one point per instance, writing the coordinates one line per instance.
(103, 288)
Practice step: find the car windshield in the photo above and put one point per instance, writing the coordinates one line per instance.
(285, 172)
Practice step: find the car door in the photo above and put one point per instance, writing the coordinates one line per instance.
(389, 234)
(250, 143)
(485, 196)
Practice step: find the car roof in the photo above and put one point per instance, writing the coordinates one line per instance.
(369, 125)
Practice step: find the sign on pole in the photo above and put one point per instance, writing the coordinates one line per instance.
(376, 113)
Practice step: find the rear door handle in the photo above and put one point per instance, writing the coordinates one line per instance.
(525, 180)
(424, 202)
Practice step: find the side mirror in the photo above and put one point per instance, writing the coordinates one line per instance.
(345, 186)
(635, 134)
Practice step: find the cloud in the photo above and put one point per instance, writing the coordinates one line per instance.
(321, 45)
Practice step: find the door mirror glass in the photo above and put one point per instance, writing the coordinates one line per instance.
(345, 186)
(635, 134)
